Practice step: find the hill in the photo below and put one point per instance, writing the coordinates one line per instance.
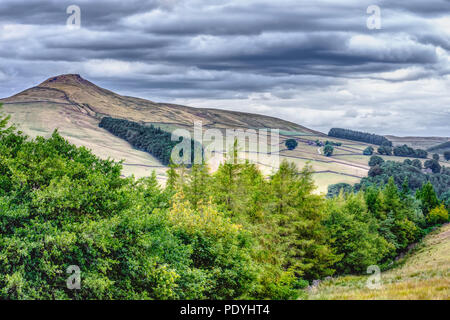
(422, 274)
(75, 106)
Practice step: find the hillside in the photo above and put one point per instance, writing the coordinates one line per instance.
(421, 275)
(421, 142)
(75, 107)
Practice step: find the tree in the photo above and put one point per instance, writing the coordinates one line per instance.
(300, 213)
(428, 197)
(291, 144)
(405, 151)
(385, 150)
(405, 188)
(433, 165)
(328, 150)
(375, 171)
(375, 160)
(447, 155)
(417, 163)
(396, 225)
(196, 188)
(368, 151)
(354, 234)
(436, 157)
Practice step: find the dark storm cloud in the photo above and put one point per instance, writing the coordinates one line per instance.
(272, 56)
(103, 14)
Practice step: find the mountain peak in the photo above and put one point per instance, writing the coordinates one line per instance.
(71, 79)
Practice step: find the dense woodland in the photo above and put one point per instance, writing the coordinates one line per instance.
(150, 139)
(229, 235)
(358, 136)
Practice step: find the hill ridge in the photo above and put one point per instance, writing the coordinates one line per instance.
(96, 101)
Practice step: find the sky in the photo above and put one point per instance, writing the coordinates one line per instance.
(375, 66)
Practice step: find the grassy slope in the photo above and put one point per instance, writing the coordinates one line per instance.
(421, 275)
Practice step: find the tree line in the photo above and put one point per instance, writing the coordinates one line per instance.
(150, 139)
(358, 136)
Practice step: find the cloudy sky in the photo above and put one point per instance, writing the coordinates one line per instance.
(316, 63)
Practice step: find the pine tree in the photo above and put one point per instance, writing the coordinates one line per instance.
(428, 197)
(405, 188)
(197, 185)
(300, 214)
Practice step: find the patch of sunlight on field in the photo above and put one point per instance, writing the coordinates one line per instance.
(323, 180)
(423, 274)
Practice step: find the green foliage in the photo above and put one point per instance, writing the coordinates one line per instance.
(428, 197)
(401, 171)
(433, 165)
(375, 171)
(233, 234)
(328, 150)
(355, 234)
(416, 163)
(291, 144)
(368, 151)
(375, 160)
(438, 215)
(332, 143)
(385, 150)
(405, 151)
(300, 214)
(61, 206)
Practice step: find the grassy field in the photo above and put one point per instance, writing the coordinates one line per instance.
(423, 274)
